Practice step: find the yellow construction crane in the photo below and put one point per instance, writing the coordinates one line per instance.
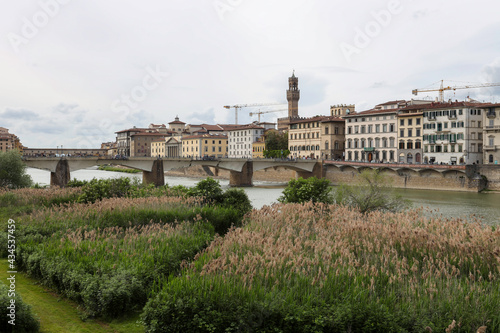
(239, 106)
(441, 89)
(262, 112)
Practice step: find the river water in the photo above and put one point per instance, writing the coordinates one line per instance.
(484, 206)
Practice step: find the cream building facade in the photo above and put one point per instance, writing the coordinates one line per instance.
(453, 133)
(304, 137)
(371, 135)
(241, 139)
(410, 135)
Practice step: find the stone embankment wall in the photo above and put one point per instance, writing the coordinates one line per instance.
(471, 181)
(492, 174)
(279, 175)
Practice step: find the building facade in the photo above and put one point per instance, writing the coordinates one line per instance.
(491, 134)
(304, 137)
(332, 136)
(453, 133)
(9, 141)
(371, 135)
(410, 135)
(241, 140)
(204, 146)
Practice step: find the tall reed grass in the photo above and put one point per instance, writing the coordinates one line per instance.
(327, 268)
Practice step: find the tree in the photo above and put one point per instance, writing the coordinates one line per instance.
(304, 190)
(276, 143)
(13, 170)
(374, 192)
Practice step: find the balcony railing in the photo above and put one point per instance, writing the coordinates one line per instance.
(494, 127)
(491, 114)
(490, 148)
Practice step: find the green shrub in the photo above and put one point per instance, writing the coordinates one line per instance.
(25, 320)
(304, 190)
(98, 189)
(209, 189)
(238, 199)
(13, 170)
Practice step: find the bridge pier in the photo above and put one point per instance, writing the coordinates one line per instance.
(316, 172)
(156, 175)
(62, 175)
(243, 178)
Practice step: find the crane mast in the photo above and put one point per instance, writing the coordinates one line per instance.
(239, 106)
(262, 112)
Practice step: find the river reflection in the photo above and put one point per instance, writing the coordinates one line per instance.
(485, 206)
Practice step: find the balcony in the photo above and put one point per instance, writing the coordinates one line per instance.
(494, 127)
(491, 114)
(430, 117)
(490, 148)
(452, 116)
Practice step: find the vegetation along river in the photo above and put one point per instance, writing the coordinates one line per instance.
(484, 206)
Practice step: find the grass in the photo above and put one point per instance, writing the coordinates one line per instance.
(327, 268)
(59, 315)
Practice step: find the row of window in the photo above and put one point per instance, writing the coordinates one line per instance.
(301, 136)
(245, 132)
(370, 156)
(443, 148)
(409, 144)
(304, 125)
(452, 137)
(409, 122)
(409, 133)
(369, 129)
(356, 143)
(362, 119)
(312, 147)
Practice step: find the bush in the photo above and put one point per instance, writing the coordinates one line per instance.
(304, 190)
(372, 193)
(13, 170)
(238, 199)
(209, 189)
(25, 321)
(105, 188)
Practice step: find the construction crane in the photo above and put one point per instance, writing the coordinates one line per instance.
(262, 112)
(239, 106)
(441, 89)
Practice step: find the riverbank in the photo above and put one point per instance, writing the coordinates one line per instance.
(306, 278)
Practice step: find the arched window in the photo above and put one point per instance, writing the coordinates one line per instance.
(362, 143)
(490, 159)
(401, 144)
(327, 145)
(409, 144)
(317, 147)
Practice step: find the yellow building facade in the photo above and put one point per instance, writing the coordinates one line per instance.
(205, 145)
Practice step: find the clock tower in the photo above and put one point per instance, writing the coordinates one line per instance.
(293, 96)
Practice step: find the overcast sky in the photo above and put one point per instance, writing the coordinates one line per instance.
(73, 72)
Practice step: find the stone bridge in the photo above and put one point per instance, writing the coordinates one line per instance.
(153, 169)
(417, 176)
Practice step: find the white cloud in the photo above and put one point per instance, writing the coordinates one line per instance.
(64, 81)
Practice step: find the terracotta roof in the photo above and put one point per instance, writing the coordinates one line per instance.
(371, 111)
(135, 129)
(245, 127)
(398, 101)
(176, 122)
(212, 127)
(150, 134)
(327, 119)
(204, 136)
(444, 105)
